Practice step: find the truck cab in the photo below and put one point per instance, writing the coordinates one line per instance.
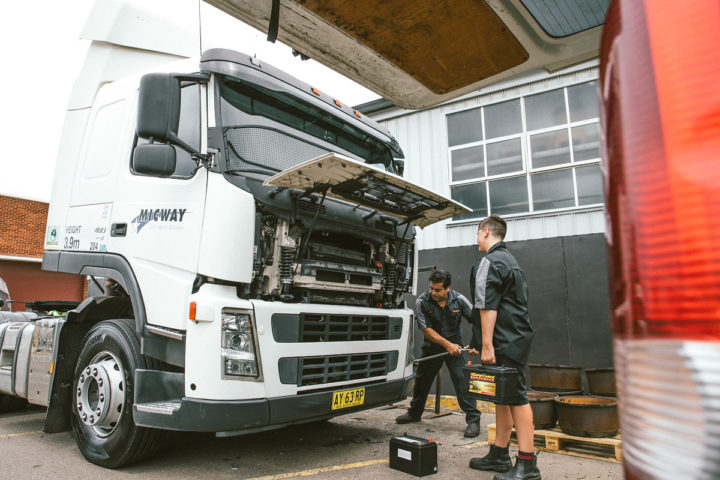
(259, 239)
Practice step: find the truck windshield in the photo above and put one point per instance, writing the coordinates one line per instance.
(273, 130)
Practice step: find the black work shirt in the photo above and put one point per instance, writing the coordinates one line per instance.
(500, 285)
(445, 321)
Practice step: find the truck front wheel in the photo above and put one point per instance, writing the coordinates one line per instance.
(102, 410)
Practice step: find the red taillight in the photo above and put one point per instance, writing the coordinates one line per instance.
(659, 72)
(660, 67)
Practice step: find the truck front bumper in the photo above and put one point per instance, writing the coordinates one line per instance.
(245, 416)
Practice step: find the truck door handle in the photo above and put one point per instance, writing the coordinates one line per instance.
(118, 229)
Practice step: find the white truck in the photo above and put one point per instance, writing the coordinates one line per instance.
(263, 239)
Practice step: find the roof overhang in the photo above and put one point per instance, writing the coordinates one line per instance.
(418, 53)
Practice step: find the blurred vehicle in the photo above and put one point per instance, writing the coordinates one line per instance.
(4, 296)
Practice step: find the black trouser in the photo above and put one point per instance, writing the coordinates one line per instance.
(426, 372)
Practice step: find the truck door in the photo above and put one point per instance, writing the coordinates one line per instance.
(156, 222)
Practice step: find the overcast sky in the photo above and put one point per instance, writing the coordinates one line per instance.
(42, 54)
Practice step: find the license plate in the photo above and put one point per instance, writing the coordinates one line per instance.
(348, 398)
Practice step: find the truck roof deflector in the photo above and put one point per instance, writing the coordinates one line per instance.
(363, 184)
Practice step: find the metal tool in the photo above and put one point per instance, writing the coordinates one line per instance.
(436, 356)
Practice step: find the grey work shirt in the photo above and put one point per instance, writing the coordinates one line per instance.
(445, 321)
(500, 285)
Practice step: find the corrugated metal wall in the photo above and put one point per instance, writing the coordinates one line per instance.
(423, 136)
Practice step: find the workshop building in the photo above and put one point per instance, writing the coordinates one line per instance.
(529, 151)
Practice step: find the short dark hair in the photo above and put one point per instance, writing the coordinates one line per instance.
(497, 226)
(438, 276)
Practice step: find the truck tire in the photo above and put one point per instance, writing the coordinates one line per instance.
(102, 410)
(9, 403)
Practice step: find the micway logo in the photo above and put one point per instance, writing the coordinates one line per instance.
(158, 215)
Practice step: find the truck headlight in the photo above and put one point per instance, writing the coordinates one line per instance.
(237, 344)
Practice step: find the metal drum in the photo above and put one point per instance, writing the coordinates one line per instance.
(543, 407)
(601, 381)
(587, 416)
(552, 378)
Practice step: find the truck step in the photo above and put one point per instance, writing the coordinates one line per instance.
(163, 408)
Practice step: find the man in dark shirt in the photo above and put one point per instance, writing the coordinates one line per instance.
(501, 295)
(439, 312)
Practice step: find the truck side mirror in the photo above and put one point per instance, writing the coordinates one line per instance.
(157, 159)
(400, 166)
(159, 107)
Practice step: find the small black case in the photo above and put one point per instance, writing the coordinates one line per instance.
(414, 455)
(491, 383)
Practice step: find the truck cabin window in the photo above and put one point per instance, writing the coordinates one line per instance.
(188, 130)
(270, 131)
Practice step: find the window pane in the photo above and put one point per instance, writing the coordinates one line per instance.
(504, 157)
(545, 110)
(188, 130)
(467, 163)
(553, 190)
(586, 142)
(583, 100)
(473, 196)
(550, 148)
(509, 196)
(464, 127)
(503, 119)
(589, 185)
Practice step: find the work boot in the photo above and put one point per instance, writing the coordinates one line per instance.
(523, 470)
(407, 418)
(497, 459)
(472, 430)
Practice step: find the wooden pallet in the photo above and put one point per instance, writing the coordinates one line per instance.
(555, 441)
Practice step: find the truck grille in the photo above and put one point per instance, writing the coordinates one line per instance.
(308, 371)
(326, 327)
(340, 368)
(342, 328)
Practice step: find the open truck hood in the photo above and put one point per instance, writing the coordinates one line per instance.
(418, 53)
(356, 182)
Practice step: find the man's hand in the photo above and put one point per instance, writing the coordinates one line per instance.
(453, 349)
(471, 351)
(488, 354)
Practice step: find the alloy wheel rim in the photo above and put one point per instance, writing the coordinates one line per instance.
(100, 394)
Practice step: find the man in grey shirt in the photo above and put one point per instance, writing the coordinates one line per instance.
(439, 312)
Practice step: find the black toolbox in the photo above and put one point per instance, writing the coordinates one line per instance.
(491, 383)
(414, 455)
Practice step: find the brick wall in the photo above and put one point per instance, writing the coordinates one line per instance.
(22, 234)
(22, 227)
(27, 282)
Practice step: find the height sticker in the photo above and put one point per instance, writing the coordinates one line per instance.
(71, 241)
